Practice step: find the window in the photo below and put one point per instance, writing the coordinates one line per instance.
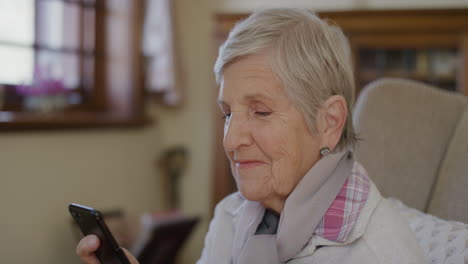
(70, 63)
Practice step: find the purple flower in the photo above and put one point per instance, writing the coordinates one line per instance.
(42, 86)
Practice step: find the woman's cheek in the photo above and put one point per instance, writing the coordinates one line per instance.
(284, 172)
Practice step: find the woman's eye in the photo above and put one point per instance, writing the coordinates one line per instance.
(226, 116)
(259, 113)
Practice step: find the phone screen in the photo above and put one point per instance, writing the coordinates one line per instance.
(90, 221)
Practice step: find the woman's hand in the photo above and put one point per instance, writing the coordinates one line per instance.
(89, 244)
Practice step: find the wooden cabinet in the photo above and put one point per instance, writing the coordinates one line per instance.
(424, 45)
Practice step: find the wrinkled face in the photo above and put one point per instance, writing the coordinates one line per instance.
(266, 138)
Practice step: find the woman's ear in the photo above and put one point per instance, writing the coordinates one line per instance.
(334, 114)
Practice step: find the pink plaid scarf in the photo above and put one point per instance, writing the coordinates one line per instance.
(340, 218)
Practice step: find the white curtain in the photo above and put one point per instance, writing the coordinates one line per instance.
(159, 49)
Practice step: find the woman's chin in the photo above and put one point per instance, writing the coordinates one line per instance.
(250, 194)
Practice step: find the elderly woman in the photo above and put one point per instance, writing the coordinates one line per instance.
(286, 94)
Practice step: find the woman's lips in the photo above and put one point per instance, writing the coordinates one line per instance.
(248, 164)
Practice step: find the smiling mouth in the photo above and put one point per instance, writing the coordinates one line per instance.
(248, 164)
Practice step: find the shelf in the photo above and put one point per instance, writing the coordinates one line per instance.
(370, 75)
(17, 121)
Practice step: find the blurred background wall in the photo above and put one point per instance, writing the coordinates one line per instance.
(41, 172)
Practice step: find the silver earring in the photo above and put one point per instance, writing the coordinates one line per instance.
(324, 151)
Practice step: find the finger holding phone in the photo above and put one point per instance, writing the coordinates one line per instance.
(98, 246)
(87, 247)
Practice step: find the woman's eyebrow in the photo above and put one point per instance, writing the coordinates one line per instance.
(257, 96)
(248, 98)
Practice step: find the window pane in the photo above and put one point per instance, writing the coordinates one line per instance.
(88, 72)
(58, 24)
(60, 67)
(17, 21)
(71, 25)
(89, 2)
(50, 26)
(16, 66)
(89, 20)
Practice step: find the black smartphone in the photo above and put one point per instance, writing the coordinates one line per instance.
(90, 222)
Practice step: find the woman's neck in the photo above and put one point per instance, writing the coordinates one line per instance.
(275, 204)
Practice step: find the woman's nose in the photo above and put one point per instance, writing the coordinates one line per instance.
(236, 133)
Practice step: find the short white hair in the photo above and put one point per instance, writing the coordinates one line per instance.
(311, 57)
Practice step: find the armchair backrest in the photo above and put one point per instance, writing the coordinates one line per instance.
(413, 144)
